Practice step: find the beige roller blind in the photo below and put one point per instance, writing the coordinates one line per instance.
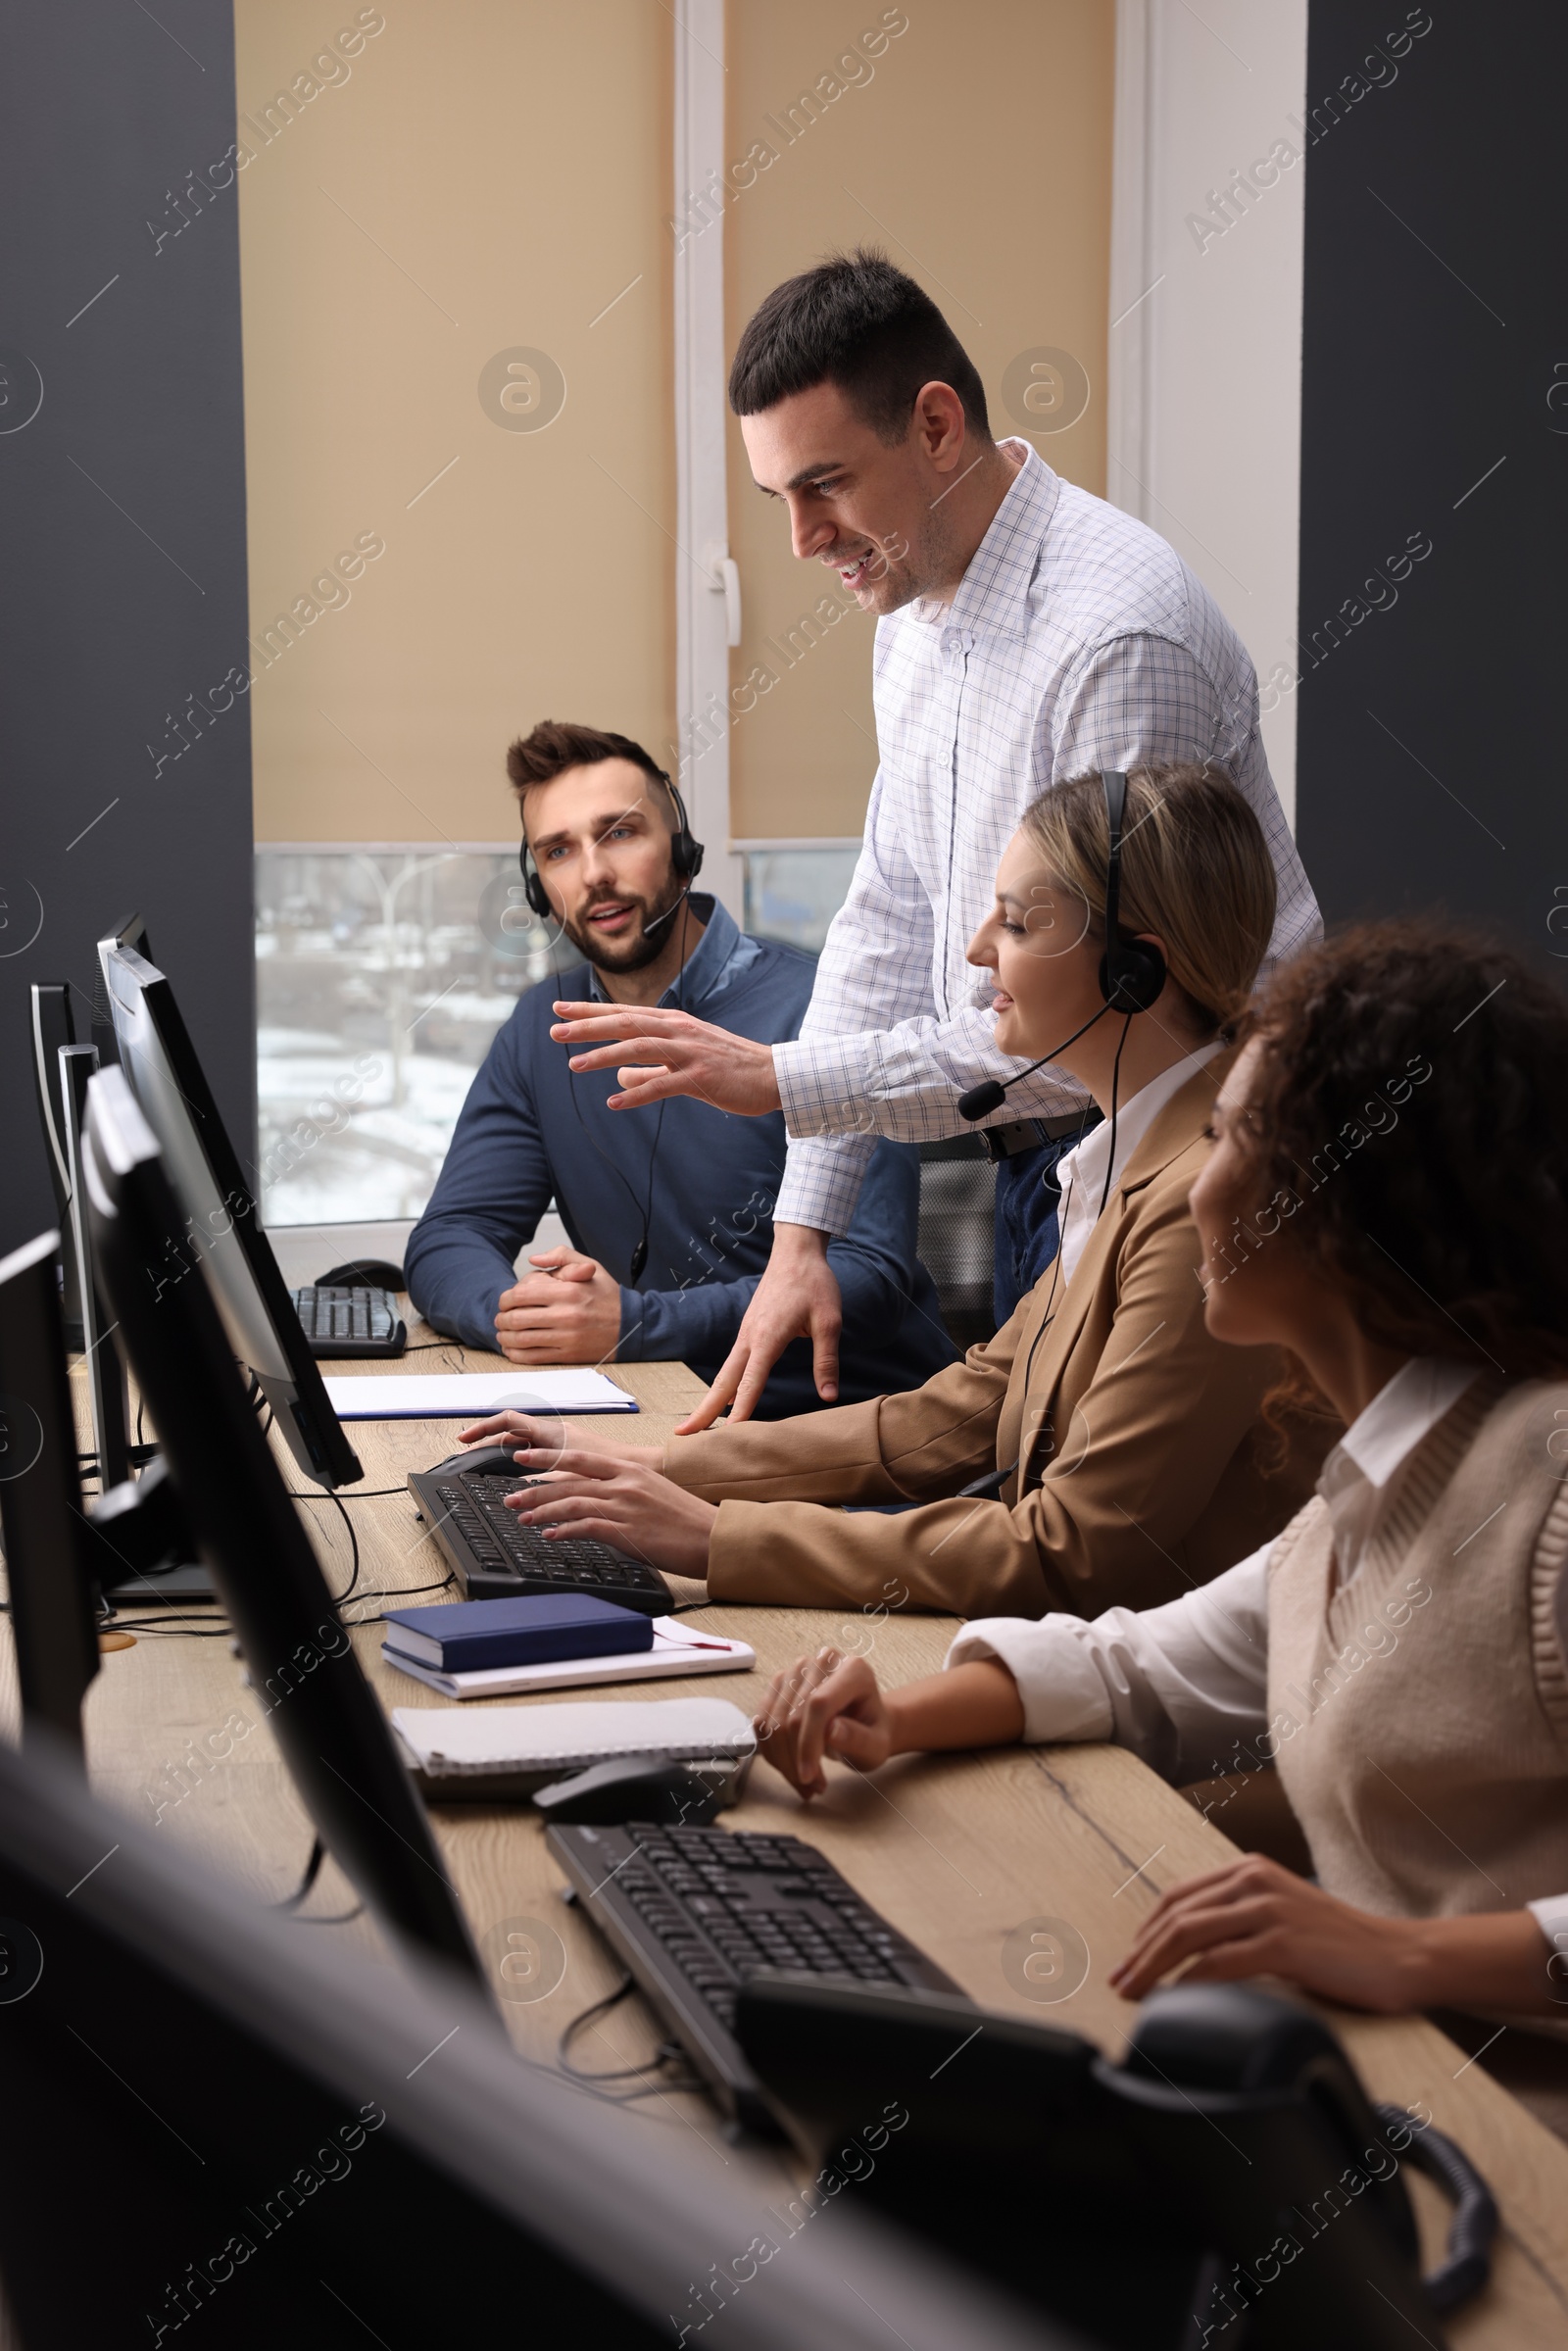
(972, 144)
(457, 277)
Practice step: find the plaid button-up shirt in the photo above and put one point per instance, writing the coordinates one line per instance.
(1077, 640)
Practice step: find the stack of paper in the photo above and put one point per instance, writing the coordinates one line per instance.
(472, 1395)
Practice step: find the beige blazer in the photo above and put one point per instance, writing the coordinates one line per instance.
(1135, 1435)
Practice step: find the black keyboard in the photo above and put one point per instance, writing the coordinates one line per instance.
(350, 1322)
(495, 1557)
(692, 1912)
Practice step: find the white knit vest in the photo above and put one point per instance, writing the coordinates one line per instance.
(1420, 1712)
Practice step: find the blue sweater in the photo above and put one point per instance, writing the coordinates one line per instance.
(529, 1130)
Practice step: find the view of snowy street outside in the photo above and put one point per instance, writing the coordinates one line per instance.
(383, 973)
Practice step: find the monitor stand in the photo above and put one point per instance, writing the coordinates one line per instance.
(142, 1552)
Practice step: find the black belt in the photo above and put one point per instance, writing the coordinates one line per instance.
(1027, 1134)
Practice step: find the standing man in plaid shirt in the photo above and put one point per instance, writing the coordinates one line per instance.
(1026, 632)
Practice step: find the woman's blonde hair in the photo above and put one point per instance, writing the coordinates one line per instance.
(1195, 871)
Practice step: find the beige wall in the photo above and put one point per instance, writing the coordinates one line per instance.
(482, 175)
(976, 150)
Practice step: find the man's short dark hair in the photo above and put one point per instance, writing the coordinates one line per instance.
(859, 322)
(556, 744)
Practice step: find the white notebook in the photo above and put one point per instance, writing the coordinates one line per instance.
(675, 1650)
(471, 1394)
(444, 1743)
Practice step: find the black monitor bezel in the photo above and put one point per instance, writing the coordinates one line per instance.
(316, 1436)
(50, 1550)
(323, 1714)
(54, 1027)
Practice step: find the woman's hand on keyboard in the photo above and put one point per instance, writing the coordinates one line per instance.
(547, 1437)
(629, 1504)
(819, 1706)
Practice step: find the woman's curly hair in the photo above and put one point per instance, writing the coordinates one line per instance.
(1411, 1117)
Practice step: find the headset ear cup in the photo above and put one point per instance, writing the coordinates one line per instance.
(533, 889)
(1139, 976)
(685, 850)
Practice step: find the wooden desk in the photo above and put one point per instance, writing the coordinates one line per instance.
(960, 1851)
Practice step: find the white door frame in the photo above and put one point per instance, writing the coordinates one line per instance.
(706, 587)
(1203, 390)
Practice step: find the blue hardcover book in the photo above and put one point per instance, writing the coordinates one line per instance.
(464, 1635)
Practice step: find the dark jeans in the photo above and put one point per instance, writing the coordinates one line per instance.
(1028, 1198)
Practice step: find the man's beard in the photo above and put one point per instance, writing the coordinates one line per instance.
(920, 570)
(643, 948)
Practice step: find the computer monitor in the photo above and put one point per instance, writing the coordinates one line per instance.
(49, 1545)
(136, 1529)
(220, 1228)
(247, 1527)
(142, 1559)
(52, 1028)
(104, 1364)
(307, 2150)
(131, 932)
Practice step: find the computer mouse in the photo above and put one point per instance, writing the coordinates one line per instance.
(479, 1461)
(364, 1273)
(630, 1787)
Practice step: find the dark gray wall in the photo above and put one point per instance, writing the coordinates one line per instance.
(122, 588)
(1435, 409)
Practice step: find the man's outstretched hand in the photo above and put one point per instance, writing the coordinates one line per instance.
(797, 1298)
(657, 1051)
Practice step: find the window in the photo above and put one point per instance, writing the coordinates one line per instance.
(382, 974)
(793, 890)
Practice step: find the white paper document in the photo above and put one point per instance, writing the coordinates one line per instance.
(474, 1395)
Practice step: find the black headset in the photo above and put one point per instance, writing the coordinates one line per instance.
(1132, 973)
(685, 854)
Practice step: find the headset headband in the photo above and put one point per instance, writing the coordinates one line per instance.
(1132, 973)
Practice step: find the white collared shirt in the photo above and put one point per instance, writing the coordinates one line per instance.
(1081, 1171)
(1077, 640)
(1185, 1686)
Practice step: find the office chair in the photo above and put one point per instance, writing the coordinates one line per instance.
(956, 1243)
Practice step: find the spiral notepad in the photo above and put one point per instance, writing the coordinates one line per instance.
(446, 1742)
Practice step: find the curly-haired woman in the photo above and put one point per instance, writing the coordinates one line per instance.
(1386, 1199)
